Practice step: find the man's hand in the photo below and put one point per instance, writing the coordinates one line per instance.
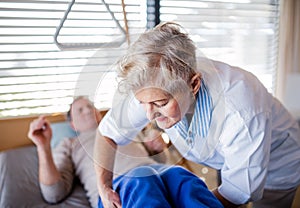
(40, 132)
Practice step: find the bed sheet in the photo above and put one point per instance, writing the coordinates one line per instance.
(19, 185)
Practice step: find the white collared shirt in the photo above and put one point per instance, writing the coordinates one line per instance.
(250, 136)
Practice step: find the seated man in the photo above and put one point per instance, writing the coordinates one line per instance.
(73, 158)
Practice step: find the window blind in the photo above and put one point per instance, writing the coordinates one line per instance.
(243, 33)
(40, 75)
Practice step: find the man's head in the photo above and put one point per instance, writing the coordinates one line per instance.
(83, 116)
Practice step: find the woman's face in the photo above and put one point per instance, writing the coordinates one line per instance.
(163, 107)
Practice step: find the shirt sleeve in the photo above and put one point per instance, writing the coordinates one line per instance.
(124, 121)
(62, 159)
(246, 156)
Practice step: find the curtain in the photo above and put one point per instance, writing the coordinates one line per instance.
(289, 44)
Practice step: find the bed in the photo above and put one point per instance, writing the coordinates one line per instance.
(19, 185)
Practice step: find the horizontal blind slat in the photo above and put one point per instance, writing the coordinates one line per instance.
(35, 75)
(227, 30)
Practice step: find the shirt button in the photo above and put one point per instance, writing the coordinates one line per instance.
(189, 141)
(190, 134)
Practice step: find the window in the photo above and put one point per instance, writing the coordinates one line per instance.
(38, 75)
(243, 33)
(41, 74)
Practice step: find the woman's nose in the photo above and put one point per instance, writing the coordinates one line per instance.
(149, 111)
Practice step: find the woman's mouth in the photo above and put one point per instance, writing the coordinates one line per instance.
(160, 119)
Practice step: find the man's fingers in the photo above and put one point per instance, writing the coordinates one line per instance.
(37, 126)
(39, 123)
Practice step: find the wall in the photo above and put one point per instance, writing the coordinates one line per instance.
(14, 130)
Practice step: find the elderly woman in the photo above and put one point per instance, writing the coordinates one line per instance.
(214, 113)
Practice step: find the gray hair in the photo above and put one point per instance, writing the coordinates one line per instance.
(162, 57)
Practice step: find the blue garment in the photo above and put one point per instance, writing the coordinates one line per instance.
(157, 186)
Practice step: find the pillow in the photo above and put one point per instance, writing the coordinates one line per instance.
(61, 130)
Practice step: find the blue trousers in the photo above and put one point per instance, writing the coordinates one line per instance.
(160, 186)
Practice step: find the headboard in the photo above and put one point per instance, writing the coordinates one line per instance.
(13, 131)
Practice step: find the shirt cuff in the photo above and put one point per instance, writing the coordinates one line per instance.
(232, 193)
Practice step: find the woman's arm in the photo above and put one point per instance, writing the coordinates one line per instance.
(104, 158)
(225, 202)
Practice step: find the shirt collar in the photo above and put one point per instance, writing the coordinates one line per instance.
(202, 114)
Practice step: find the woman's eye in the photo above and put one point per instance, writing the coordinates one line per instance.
(160, 105)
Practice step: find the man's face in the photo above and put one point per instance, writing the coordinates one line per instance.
(84, 115)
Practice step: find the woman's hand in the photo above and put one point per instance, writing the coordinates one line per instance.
(40, 132)
(110, 198)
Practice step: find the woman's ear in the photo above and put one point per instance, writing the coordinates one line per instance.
(195, 83)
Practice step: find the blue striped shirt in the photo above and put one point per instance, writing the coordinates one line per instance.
(201, 118)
